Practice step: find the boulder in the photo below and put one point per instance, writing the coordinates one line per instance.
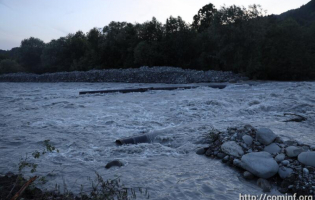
(248, 140)
(307, 158)
(285, 172)
(260, 164)
(293, 151)
(272, 148)
(265, 136)
(232, 148)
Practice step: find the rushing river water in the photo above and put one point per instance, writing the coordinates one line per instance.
(84, 128)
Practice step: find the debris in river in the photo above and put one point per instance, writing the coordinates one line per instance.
(218, 86)
(298, 118)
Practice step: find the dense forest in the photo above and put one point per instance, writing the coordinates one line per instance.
(243, 40)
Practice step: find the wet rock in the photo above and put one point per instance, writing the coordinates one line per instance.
(293, 151)
(114, 163)
(312, 147)
(260, 164)
(232, 148)
(272, 148)
(248, 140)
(247, 175)
(285, 172)
(307, 158)
(264, 184)
(201, 151)
(280, 157)
(265, 136)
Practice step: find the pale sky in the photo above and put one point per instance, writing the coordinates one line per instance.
(51, 19)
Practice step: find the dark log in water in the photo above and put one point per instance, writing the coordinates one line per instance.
(134, 140)
(148, 89)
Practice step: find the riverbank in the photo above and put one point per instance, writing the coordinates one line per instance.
(169, 75)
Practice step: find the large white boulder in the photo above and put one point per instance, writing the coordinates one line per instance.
(260, 164)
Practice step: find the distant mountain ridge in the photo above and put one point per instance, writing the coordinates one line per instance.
(303, 15)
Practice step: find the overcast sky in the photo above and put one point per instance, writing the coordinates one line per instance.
(51, 19)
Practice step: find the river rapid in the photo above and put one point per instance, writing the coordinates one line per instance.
(84, 129)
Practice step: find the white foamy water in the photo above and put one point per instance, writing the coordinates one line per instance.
(84, 129)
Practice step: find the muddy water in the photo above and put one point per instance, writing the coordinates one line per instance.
(84, 129)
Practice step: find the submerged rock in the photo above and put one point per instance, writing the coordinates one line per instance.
(201, 151)
(264, 184)
(265, 136)
(114, 163)
(260, 164)
(232, 148)
(307, 158)
(247, 175)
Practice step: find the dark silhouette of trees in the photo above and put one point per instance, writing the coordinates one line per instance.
(230, 38)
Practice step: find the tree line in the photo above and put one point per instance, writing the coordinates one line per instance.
(233, 38)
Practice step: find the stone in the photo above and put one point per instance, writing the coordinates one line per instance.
(247, 175)
(290, 142)
(114, 163)
(280, 157)
(248, 140)
(265, 136)
(293, 151)
(305, 172)
(264, 184)
(312, 147)
(260, 164)
(221, 155)
(225, 159)
(201, 151)
(232, 148)
(307, 158)
(237, 163)
(285, 172)
(285, 162)
(272, 148)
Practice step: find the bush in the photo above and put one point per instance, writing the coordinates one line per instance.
(10, 66)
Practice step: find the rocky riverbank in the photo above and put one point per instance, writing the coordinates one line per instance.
(139, 75)
(261, 154)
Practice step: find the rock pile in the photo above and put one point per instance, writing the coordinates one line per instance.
(260, 153)
(170, 75)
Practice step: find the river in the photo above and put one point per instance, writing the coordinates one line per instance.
(84, 128)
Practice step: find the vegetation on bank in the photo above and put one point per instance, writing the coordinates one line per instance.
(230, 38)
(19, 186)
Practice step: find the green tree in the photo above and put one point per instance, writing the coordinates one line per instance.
(204, 18)
(29, 54)
(9, 66)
